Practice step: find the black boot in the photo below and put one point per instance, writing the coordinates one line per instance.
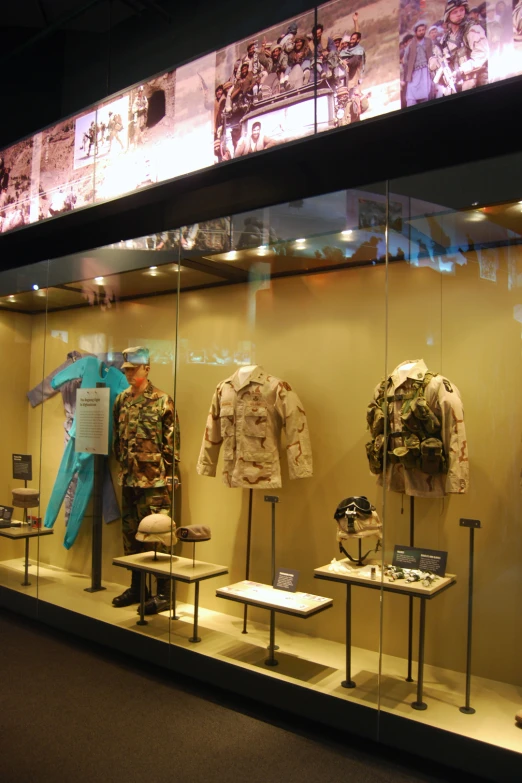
(161, 601)
(132, 594)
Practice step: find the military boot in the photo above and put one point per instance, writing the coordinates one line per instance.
(161, 601)
(132, 594)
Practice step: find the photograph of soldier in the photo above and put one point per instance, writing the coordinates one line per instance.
(417, 76)
(146, 446)
(464, 49)
(455, 40)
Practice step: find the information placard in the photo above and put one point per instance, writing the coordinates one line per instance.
(286, 579)
(23, 467)
(92, 421)
(432, 560)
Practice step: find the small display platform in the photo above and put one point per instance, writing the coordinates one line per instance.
(361, 576)
(267, 597)
(25, 532)
(182, 569)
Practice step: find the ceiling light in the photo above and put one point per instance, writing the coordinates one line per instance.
(152, 268)
(347, 233)
(36, 287)
(262, 250)
(300, 241)
(98, 280)
(11, 299)
(231, 255)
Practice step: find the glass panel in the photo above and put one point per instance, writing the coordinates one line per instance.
(454, 341)
(275, 368)
(21, 293)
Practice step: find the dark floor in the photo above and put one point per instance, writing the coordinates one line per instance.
(74, 712)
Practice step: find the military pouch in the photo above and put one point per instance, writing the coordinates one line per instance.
(375, 454)
(408, 455)
(432, 456)
(375, 419)
(422, 411)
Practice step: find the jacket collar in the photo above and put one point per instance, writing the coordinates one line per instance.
(258, 375)
(414, 373)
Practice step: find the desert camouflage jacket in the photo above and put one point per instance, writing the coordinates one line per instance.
(448, 467)
(246, 419)
(146, 438)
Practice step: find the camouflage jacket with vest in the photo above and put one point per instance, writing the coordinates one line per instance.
(416, 421)
(146, 438)
(246, 419)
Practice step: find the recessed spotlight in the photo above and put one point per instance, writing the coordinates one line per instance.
(300, 241)
(474, 204)
(231, 255)
(98, 280)
(11, 299)
(262, 250)
(36, 287)
(347, 233)
(152, 268)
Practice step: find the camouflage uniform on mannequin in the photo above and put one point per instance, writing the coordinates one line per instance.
(146, 445)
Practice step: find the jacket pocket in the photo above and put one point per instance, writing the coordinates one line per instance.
(226, 421)
(150, 465)
(255, 421)
(148, 426)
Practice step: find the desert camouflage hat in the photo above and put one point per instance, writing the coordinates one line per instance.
(194, 533)
(133, 357)
(157, 529)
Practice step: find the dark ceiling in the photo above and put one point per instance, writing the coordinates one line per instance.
(95, 16)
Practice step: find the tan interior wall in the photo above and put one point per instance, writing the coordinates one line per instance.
(326, 335)
(15, 349)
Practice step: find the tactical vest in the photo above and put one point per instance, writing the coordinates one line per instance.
(419, 443)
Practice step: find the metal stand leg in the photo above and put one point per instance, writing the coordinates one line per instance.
(419, 704)
(249, 539)
(195, 637)
(348, 682)
(143, 578)
(467, 710)
(409, 678)
(271, 661)
(173, 616)
(26, 581)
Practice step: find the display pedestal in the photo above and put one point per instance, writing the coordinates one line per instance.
(358, 578)
(180, 569)
(267, 597)
(26, 532)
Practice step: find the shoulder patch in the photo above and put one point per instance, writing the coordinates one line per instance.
(447, 386)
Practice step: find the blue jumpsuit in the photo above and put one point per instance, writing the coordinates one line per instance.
(81, 464)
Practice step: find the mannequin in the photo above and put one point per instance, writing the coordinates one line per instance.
(146, 445)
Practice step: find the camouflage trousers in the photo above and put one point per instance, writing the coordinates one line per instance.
(137, 503)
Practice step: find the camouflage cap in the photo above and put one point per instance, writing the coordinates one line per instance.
(133, 357)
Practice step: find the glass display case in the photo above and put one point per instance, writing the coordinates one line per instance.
(280, 450)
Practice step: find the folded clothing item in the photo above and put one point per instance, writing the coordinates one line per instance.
(25, 497)
(194, 533)
(157, 529)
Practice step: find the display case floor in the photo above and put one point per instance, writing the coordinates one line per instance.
(308, 661)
